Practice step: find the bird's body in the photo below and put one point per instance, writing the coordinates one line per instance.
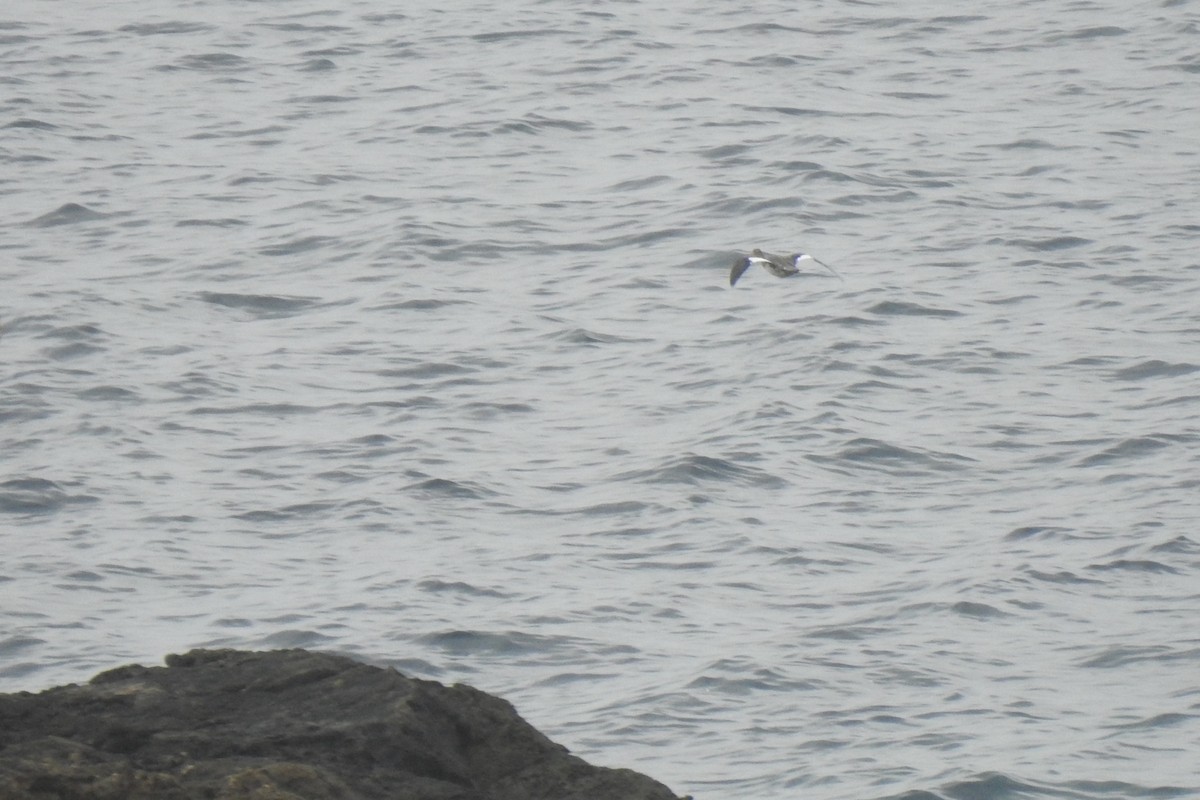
(779, 266)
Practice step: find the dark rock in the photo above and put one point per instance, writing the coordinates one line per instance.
(285, 725)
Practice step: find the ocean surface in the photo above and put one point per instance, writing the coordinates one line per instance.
(404, 330)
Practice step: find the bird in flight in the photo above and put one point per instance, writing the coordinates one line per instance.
(779, 266)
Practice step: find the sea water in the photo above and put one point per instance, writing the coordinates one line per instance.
(404, 331)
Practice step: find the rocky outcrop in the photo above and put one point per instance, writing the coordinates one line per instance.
(285, 725)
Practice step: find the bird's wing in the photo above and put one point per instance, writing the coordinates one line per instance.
(739, 267)
(833, 271)
(796, 259)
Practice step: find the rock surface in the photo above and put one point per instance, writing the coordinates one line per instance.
(285, 725)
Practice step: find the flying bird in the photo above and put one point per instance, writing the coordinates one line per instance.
(779, 266)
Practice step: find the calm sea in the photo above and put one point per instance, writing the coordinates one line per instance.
(404, 330)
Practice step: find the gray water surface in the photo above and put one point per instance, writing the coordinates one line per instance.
(405, 331)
